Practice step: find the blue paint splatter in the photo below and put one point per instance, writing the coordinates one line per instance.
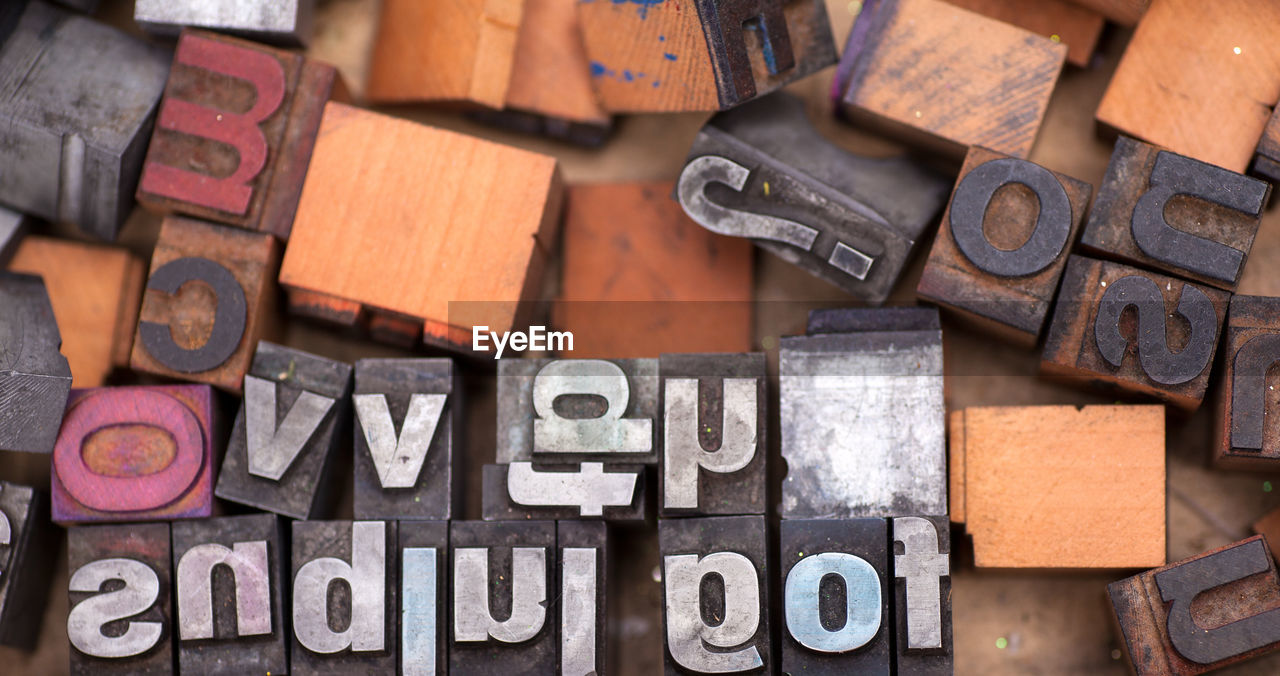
(661, 38)
(644, 5)
(626, 75)
(598, 69)
(669, 56)
(656, 83)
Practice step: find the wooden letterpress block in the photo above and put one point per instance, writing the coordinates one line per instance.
(230, 624)
(135, 454)
(1003, 243)
(95, 292)
(1175, 214)
(13, 228)
(205, 332)
(470, 46)
(1094, 338)
(587, 490)
(1066, 21)
(1197, 78)
(28, 543)
(286, 434)
(235, 131)
(1123, 12)
(1269, 527)
(424, 567)
(734, 549)
(407, 412)
(34, 377)
(844, 391)
(507, 570)
(1249, 436)
(605, 410)
(1200, 614)
(686, 55)
(944, 78)
(120, 578)
(584, 602)
(922, 595)
(75, 123)
(361, 554)
(1266, 157)
(424, 244)
(615, 236)
(1059, 487)
(763, 172)
(714, 434)
(829, 627)
(287, 22)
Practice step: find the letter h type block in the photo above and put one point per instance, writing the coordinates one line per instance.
(135, 454)
(714, 434)
(1248, 435)
(407, 413)
(1166, 632)
(227, 572)
(28, 543)
(361, 554)
(503, 570)
(120, 576)
(1003, 244)
(35, 379)
(1094, 336)
(695, 554)
(235, 132)
(284, 438)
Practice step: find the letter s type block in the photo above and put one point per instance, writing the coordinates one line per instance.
(74, 124)
(235, 132)
(763, 172)
(1165, 631)
(28, 543)
(1248, 436)
(1003, 244)
(35, 378)
(135, 454)
(120, 578)
(1112, 324)
(1178, 215)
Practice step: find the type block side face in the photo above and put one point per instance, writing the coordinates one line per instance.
(1248, 429)
(35, 378)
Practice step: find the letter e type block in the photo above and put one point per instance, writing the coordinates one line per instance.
(28, 543)
(1248, 436)
(35, 378)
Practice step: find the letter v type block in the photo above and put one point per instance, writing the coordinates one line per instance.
(407, 415)
(295, 410)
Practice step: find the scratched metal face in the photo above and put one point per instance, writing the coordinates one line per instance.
(289, 22)
(35, 378)
(863, 425)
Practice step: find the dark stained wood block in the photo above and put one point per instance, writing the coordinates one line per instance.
(1073, 24)
(1248, 429)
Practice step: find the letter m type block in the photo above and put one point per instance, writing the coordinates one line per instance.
(235, 132)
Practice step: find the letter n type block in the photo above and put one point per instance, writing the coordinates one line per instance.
(362, 555)
(35, 379)
(714, 434)
(922, 595)
(28, 543)
(235, 132)
(135, 454)
(227, 573)
(424, 599)
(503, 570)
(121, 619)
(835, 612)
(584, 607)
(695, 554)
(286, 434)
(1177, 215)
(1003, 244)
(407, 413)
(1114, 325)
(1200, 614)
(208, 296)
(1248, 431)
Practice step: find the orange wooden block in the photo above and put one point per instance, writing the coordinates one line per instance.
(95, 291)
(551, 75)
(418, 230)
(1123, 12)
(640, 279)
(1060, 487)
(1059, 20)
(1198, 78)
(444, 50)
(946, 78)
(208, 300)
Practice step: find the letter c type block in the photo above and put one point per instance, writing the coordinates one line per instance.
(35, 378)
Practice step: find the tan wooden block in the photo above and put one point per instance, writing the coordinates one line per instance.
(955, 465)
(1073, 25)
(1063, 487)
(95, 292)
(1198, 78)
(402, 221)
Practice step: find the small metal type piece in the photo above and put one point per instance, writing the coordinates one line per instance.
(922, 594)
(424, 546)
(523, 490)
(28, 543)
(230, 316)
(35, 378)
(584, 556)
(286, 22)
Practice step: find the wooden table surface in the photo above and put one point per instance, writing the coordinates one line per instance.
(1052, 623)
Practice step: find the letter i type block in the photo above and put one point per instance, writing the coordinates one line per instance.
(235, 132)
(121, 614)
(584, 556)
(361, 554)
(1247, 433)
(424, 600)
